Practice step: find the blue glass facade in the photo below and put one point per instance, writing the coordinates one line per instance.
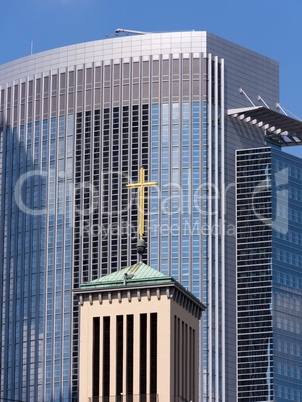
(185, 217)
(80, 122)
(287, 276)
(176, 164)
(269, 258)
(36, 274)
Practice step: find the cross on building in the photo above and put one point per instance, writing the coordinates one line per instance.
(141, 198)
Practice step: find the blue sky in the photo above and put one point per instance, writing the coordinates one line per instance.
(270, 27)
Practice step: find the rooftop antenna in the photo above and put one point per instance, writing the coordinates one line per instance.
(31, 47)
(122, 32)
(130, 31)
(242, 92)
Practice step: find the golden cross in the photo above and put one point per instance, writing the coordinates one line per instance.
(141, 185)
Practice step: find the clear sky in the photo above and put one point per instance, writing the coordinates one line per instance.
(270, 27)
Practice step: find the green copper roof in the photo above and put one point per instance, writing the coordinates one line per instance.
(139, 273)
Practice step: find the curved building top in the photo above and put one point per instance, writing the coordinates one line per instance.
(134, 46)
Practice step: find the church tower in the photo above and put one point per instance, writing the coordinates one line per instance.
(138, 338)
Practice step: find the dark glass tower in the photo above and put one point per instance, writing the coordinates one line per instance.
(269, 276)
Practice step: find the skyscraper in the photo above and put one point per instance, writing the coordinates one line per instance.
(75, 124)
(269, 240)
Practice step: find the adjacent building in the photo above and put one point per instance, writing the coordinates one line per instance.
(269, 277)
(75, 124)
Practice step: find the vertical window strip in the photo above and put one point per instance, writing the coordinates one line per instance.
(125, 193)
(185, 363)
(193, 365)
(78, 179)
(96, 200)
(191, 369)
(183, 357)
(96, 358)
(129, 358)
(143, 358)
(119, 354)
(153, 357)
(106, 358)
(176, 356)
(154, 202)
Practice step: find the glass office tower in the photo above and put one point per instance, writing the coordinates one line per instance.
(269, 261)
(76, 124)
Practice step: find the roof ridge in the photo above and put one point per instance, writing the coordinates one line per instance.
(138, 272)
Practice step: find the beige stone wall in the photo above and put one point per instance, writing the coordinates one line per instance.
(165, 308)
(185, 379)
